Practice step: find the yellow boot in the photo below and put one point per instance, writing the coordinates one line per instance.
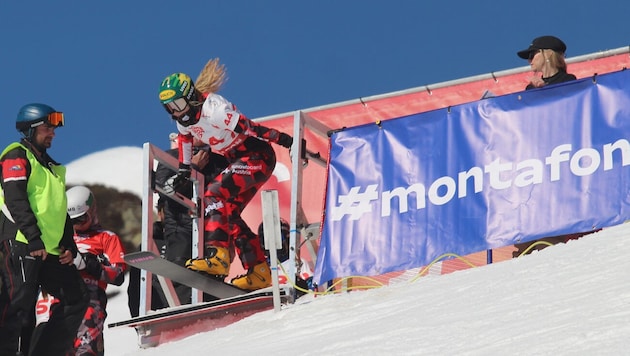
(257, 277)
(216, 263)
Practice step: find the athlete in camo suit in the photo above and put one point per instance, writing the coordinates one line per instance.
(100, 263)
(203, 114)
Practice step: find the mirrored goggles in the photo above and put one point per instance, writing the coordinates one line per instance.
(55, 119)
(179, 105)
(80, 219)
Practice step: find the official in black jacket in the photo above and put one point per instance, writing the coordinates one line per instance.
(177, 218)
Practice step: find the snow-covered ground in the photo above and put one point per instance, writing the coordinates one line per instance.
(571, 299)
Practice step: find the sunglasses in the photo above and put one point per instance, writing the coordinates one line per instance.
(532, 54)
(179, 105)
(55, 119)
(80, 219)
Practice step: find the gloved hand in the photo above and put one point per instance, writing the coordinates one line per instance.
(79, 262)
(183, 175)
(89, 262)
(285, 140)
(179, 180)
(304, 158)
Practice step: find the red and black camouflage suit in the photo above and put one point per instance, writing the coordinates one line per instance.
(246, 146)
(108, 250)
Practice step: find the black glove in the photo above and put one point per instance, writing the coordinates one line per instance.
(177, 181)
(304, 159)
(93, 264)
(285, 140)
(183, 175)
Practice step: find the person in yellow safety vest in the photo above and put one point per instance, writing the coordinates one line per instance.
(36, 238)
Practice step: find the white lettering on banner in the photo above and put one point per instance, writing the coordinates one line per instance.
(355, 203)
(583, 162)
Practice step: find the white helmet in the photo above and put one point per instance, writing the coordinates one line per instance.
(80, 201)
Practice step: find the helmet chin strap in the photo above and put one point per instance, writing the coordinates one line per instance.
(190, 118)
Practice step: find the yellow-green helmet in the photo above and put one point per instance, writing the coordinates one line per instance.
(178, 94)
(175, 86)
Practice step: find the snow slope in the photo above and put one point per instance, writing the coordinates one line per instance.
(571, 299)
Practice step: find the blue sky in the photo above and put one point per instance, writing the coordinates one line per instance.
(101, 62)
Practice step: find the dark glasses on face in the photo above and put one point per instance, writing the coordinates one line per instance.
(79, 219)
(532, 54)
(55, 119)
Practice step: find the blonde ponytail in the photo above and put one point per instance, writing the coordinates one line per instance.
(212, 77)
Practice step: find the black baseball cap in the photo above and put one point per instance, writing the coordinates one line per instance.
(544, 42)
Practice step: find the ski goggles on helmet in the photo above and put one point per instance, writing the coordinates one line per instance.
(55, 119)
(180, 104)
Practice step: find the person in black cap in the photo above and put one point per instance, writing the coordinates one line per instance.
(546, 56)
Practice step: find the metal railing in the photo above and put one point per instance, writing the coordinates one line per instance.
(152, 156)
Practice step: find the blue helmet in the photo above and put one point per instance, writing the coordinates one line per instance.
(32, 115)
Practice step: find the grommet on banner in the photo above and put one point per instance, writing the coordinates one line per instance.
(371, 112)
(378, 123)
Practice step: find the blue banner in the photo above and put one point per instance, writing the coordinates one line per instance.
(477, 176)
